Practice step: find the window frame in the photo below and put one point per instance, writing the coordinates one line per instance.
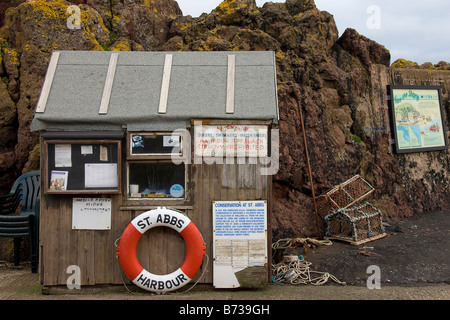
(153, 161)
(155, 158)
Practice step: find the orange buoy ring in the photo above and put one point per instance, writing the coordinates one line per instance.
(195, 250)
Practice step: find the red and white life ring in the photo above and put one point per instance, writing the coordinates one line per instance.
(195, 250)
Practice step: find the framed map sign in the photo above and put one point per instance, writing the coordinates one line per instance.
(417, 118)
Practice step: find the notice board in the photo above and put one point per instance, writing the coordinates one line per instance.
(417, 118)
(239, 239)
(82, 166)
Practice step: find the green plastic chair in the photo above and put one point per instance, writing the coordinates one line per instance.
(26, 193)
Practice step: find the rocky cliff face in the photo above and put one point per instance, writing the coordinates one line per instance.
(339, 82)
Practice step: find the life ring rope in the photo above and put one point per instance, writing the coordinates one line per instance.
(195, 250)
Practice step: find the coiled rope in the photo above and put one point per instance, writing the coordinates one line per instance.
(299, 272)
(295, 242)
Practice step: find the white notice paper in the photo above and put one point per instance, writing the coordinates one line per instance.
(91, 214)
(171, 141)
(103, 153)
(63, 155)
(249, 141)
(100, 175)
(239, 239)
(86, 150)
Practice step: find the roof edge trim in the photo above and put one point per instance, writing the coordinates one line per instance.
(42, 103)
(109, 83)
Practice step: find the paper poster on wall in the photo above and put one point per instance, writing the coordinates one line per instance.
(85, 150)
(103, 153)
(100, 175)
(91, 214)
(58, 180)
(239, 239)
(231, 140)
(63, 155)
(171, 141)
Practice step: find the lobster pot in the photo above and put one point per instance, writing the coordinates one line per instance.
(357, 224)
(343, 195)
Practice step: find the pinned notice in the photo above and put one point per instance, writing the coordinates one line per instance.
(63, 155)
(171, 141)
(58, 180)
(100, 175)
(239, 239)
(86, 150)
(91, 214)
(103, 153)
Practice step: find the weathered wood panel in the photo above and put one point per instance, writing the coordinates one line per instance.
(161, 250)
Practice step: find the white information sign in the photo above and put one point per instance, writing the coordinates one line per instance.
(231, 140)
(240, 220)
(240, 239)
(100, 175)
(91, 214)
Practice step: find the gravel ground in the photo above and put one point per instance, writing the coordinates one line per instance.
(415, 251)
(414, 261)
(20, 284)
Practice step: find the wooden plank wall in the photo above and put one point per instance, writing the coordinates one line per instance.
(160, 250)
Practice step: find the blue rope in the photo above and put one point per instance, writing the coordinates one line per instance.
(274, 278)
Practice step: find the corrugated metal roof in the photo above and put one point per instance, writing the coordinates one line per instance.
(197, 89)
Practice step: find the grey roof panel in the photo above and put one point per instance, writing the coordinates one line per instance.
(84, 58)
(197, 90)
(135, 90)
(254, 79)
(76, 91)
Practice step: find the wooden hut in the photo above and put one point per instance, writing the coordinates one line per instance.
(125, 133)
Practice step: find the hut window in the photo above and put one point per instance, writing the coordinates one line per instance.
(156, 179)
(150, 170)
(155, 144)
